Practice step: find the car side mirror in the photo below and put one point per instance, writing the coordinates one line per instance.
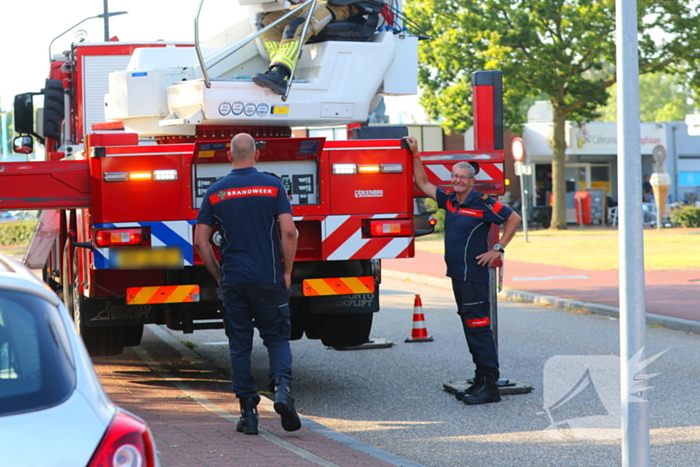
(23, 144)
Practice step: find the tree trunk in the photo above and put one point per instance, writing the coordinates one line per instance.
(559, 172)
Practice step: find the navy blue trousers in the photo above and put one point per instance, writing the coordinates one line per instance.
(265, 306)
(473, 307)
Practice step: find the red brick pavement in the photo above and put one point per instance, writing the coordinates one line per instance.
(192, 413)
(668, 293)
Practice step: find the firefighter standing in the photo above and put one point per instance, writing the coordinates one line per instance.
(468, 218)
(251, 209)
(282, 42)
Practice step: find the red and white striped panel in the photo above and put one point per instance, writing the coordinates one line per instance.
(489, 172)
(341, 238)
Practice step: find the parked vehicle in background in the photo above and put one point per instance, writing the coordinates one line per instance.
(53, 410)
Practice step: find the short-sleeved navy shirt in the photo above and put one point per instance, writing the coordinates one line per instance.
(245, 205)
(467, 228)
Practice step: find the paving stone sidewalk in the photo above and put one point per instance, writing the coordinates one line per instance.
(192, 414)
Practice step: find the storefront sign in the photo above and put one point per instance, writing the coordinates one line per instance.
(601, 138)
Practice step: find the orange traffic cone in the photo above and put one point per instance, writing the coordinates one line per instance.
(419, 332)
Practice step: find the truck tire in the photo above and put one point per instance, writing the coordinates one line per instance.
(132, 335)
(346, 329)
(99, 341)
(300, 309)
(314, 325)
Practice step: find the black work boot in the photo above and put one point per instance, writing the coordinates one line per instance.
(488, 392)
(284, 405)
(275, 79)
(479, 378)
(248, 423)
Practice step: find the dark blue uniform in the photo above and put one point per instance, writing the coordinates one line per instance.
(467, 228)
(245, 205)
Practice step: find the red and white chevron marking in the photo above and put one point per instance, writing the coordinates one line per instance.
(488, 171)
(341, 238)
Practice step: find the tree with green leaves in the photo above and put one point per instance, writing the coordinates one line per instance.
(564, 49)
(662, 98)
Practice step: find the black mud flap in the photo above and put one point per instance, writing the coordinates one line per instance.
(356, 303)
(115, 312)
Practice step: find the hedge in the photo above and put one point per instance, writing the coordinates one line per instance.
(16, 233)
(686, 216)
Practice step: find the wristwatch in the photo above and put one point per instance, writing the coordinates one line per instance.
(499, 248)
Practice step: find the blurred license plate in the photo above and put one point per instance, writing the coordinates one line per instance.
(146, 258)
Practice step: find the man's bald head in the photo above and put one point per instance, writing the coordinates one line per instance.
(243, 150)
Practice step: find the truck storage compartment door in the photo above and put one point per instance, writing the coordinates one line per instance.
(370, 177)
(295, 161)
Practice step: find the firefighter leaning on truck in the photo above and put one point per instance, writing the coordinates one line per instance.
(468, 218)
(248, 206)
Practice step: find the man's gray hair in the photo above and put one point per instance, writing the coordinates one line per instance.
(465, 165)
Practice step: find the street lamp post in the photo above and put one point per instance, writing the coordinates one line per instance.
(105, 15)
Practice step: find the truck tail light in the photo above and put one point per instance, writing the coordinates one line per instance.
(127, 443)
(162, 175)
(120, 237)
(349, 169)
(391, 228)
(344, 169)
(392, 168)
(157, 175)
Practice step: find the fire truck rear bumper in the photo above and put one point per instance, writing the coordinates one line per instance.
(338, 295)
(162, 294)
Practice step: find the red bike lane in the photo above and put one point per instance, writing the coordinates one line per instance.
(673, 293)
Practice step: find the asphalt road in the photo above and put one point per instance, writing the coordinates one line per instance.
(393, 398)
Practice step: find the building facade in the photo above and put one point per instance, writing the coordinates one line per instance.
(591, 159)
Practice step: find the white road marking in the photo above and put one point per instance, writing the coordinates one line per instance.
(547, 278)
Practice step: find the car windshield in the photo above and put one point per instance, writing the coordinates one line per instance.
(36, 365)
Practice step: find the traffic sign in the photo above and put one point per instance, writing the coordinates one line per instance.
(517, 148)
(658, 154)
(522, 168)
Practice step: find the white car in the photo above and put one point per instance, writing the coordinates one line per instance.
(53, 409)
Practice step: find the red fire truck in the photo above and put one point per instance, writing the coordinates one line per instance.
(134, 133)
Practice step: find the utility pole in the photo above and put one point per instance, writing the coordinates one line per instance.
(106, 18)
(633, 384)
